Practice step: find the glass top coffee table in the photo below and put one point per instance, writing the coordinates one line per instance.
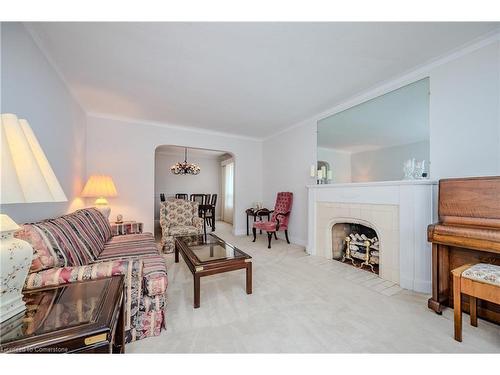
(207, 255)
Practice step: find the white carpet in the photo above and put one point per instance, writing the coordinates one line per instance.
(303, 304)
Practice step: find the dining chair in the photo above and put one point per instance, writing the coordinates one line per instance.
(210, 213)
(162, 197)
(181, 196)
(200, 198)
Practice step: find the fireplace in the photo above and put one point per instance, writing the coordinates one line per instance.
(398, 212)
(356, 244)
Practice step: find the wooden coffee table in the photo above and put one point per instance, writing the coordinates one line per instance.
(209, 255)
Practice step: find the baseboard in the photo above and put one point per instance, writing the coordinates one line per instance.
(240, 232)
(420, 286)
(298, 241)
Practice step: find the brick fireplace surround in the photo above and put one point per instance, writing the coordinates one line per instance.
(399, 211)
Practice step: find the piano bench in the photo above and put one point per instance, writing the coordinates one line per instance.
(481, 281)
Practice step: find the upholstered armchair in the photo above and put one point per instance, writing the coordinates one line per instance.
(178, 217)
(279, 219)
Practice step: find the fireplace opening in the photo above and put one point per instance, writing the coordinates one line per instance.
(356, 244)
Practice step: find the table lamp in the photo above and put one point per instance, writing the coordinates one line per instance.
(26, 177)
(100, 187)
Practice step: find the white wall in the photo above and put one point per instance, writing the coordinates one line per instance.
(386, 164)
(340, 163)
(465, 117)
(32, 89)
(464, 126)
(125, 149)
(208, 181)
(287, 161)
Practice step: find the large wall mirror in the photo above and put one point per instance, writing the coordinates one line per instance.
(378, 140)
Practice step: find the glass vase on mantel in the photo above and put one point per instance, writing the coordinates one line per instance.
(414, 170)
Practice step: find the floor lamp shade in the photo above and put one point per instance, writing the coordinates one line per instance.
(26, 175)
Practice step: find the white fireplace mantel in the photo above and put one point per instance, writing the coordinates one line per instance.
(412, 204)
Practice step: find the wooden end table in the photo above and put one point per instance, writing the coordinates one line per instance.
(81, 317)
(260, 213)
(210, 255)
(125, 227)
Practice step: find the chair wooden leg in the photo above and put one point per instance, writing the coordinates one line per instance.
(457, 307)
(286, 236)
(254, 231)
(275, 236)
(269, 238)
(473, 311)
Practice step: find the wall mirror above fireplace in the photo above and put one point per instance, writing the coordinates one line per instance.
(374, 140)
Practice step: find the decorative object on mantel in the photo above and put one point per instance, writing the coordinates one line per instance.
(409, 169)
(100, 187)
(185, 167)
(324, 173)
(414, 170)
(27, 177)
(313, 171)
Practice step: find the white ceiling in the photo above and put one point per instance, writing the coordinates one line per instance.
(244, 78)
(396, 118)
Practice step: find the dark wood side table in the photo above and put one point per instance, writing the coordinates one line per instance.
(81, 317)
(260, 213)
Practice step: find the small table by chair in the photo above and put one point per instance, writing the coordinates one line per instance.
(260, 213)
(81, 317)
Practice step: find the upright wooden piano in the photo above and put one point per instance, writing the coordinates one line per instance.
(468, 231)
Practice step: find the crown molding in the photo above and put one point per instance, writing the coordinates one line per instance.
(418, 72)
(180, 154)
(164, 125)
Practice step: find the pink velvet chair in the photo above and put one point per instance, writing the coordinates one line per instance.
(279, 220)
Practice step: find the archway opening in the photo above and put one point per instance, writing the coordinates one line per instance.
(212, 187)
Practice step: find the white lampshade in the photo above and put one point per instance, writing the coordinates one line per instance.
(99, 186)
(26, 175)
(7, 224)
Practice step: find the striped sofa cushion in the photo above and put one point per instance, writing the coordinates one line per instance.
(94, 218)
(86, 233)
(44, 255)
(65, 243)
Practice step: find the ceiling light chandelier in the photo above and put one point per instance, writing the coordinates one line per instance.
(185, 167)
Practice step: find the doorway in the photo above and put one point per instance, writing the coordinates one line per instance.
(214, 183)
